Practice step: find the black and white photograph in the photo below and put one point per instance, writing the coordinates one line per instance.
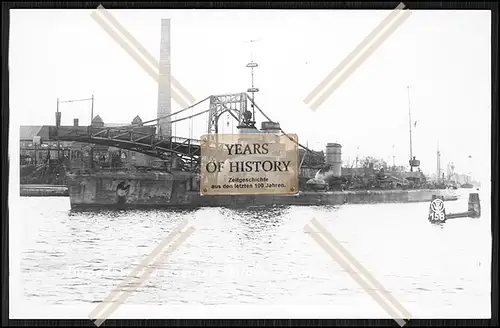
(356, 185)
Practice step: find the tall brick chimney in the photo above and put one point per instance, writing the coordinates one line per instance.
(164, 92)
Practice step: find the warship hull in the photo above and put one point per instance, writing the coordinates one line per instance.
(121, 190)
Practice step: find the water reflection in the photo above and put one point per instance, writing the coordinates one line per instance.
(438, 225)
(117, 212)
(257, 222)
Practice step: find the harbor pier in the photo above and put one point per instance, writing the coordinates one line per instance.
(39, 190)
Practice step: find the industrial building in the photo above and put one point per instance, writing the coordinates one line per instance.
(37, 149)
(35, 146)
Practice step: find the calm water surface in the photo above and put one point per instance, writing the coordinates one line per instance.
(260, 256)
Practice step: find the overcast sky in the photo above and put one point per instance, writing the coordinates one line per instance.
(443, 55)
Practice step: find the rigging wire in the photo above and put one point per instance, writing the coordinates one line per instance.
(74, 100)
(267, 117)
(175, 128)
(188, 117)
(191, 126)
(178, 112)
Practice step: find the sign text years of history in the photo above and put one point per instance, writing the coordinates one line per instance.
(248, 164)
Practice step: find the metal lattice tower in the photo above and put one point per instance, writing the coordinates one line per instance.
(234, 104)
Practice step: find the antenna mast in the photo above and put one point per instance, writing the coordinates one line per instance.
(438, 163)
(253, 89)
(409, 120)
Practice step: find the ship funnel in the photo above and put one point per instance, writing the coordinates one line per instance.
(334, 158)
(270, 127)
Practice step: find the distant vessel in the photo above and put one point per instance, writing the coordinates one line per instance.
(467, 185)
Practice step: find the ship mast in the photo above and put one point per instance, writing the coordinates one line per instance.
(438, 163)
(253, 89)
(409, 121)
